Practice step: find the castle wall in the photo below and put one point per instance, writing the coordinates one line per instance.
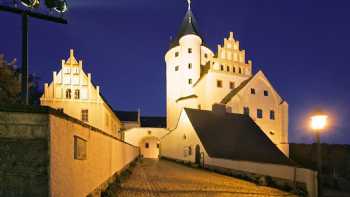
(47, 153)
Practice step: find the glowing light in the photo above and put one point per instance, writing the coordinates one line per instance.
(319, 122)
(31, 3)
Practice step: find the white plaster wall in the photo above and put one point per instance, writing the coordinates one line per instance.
(105, 156)
(152, 151)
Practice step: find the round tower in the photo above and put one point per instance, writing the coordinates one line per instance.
(183, 67)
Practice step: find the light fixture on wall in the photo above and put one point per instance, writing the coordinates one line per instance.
(31, 3)
(60, 6)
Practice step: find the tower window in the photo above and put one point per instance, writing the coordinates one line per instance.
(259, 113)
(246, 111)
(85, 115)
(232, 85)
(219, 83)
(189, 81)
(189, 65)
(266, 93)
(272, 115)
(228, 69)
(77, 94)
(252, 91)
(176, 54)
(222, 67)
(176, 68)
(68, 94)
(189, 50)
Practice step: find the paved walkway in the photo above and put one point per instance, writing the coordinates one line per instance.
(168, 179)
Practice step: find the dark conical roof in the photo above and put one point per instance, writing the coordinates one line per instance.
(188, 26)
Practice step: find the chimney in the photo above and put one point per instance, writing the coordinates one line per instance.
(219, 108)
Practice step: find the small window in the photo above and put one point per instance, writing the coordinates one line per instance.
(190, 81)
(80, 148)
(68, 94)
(176, 54)
(272, 115)
(60, 110)
(222, 67)
(240, 70)
(189, 50)
(77, 94)
(266, 93)
(272, 133)
(259, 113)
(176, 68)
(85, 115)
(190, 150)
(205, 55)
(219, 83)
(228, 69)
(199, 107)
(246, 111)
(189, 65)
(158, 146)
(232, 85)
(234, 69)
(252, 91)
(146, 145)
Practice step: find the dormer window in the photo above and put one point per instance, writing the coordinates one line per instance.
(189, 50)
(68, 94)
(77, 94)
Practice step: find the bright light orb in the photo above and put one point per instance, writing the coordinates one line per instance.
(319, 122)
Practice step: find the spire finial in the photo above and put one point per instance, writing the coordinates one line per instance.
(189, 4)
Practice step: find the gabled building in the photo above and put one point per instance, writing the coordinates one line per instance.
(198, 78)
(73, 92)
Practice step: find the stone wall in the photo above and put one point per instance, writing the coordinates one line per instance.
(38, 154)
(24, 157)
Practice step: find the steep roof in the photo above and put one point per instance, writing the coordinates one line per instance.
(233, 92)
(129, 116)
(153, 121)
(234, 137)
(188, 26)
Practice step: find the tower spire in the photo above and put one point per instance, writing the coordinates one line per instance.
(189, 4)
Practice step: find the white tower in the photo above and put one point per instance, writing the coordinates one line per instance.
(184, 61)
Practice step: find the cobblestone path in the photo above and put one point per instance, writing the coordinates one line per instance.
(168, 179)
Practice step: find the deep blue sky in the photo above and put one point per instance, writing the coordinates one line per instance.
(301, 45)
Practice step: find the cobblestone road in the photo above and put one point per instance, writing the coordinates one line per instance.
(168, 179)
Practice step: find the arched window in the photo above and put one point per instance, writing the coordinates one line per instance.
(68, 94)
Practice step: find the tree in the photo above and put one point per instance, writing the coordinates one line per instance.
(10, 84)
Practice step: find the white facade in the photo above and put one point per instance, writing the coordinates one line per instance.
(196, 78)
(73, 92)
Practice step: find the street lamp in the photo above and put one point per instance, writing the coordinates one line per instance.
(318, 124)
(58, 5)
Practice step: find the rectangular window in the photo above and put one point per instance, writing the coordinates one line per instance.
(259, 113)
(60, 110)
(85, 115)
(80, 148)
(176, 68)
(190, 81)
(232, 85)
(158, 145)
(68, 94)
(228, 69)
(266, 93)
(272, 115)
(77, 94)
(146, 145)
(222, 67)
(205, 55)
(252, 91)
(176, 54)
(246, 111)
(219, 83)
(189, 66)
(189, 50)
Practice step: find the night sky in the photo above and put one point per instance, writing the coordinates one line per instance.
(301, 45)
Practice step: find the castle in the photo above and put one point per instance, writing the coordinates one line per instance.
(219, 113)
